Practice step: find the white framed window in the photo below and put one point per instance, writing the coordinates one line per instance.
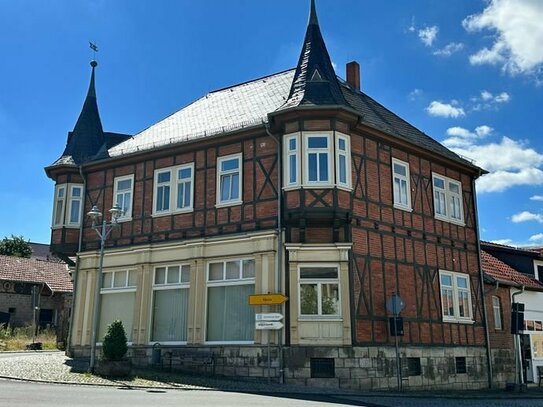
(317, 159)
(170, 303)
(118, 300)
(401, 184)
(447, 199)
(497, 311)
(68, 205)
(343, 160)
(123, 189)
(60, 202)
(319, 291)
(230, 318)
(455, 296)
(174, 189)
(229, 180)
(292, 164)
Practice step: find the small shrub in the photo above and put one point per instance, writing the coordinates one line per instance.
(115, 345)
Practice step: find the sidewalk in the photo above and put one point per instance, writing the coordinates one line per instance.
(55, 367)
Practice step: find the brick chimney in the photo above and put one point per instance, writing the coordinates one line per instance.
(353, 74)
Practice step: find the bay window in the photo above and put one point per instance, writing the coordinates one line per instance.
(455, 296)
(60, 201)
(122, 193)
(170, 303)
(317, 158)
(68, 205)
(174, 189)
(343, 162)
(447, 199)
(229, 316)
(229, 180)
(292, 154)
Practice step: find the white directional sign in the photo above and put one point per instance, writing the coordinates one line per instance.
(269, 316)
(268, 325)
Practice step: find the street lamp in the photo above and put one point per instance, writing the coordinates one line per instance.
(103, 232)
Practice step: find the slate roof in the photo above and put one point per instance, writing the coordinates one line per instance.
(505, 274)
(54, 274)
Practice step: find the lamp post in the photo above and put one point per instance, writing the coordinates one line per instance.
(103, 232)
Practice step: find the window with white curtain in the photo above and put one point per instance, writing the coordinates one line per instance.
(60, 201)
(401, 187)
(174, 189)
(230, 318)
(317, 159)
(455, 296)
(118, 300)
(448, 199)
(229, 180)
(170, 303)
(122, 192)
(292, 167)
(497, 310)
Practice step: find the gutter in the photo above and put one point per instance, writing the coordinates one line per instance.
(481, 285)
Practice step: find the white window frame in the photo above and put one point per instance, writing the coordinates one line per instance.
(319, 281)
(347, 154)
(449, 197)
(227, 282)
(318, 151)
(71, 200)
(288, 153)
(62, 200)
(239, 171)
(497, 312)
(174, 185)
(397, 199)
(128, 214)
(455, 291)
(168, 286)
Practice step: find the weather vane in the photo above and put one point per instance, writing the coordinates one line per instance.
(94, 48)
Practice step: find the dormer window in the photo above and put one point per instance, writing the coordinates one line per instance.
(317, 160)
(68, 205)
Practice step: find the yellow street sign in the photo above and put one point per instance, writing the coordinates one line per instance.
(267, 299)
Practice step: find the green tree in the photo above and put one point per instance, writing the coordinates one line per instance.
(15, 246)
(115, 344)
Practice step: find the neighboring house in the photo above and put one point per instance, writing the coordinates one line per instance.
(42, 251)
(521, 268)
(295, 183)
(52, 287)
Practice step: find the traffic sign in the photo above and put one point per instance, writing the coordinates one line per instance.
(269, 316)
(267, 299)
(268, 325)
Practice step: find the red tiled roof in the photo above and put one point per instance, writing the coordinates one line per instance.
(500, 271)
(55, 275)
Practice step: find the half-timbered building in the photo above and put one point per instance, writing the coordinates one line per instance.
(296, 183)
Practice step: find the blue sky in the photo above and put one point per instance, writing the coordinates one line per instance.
(467, 72)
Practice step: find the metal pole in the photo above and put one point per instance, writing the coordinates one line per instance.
(269, 357)
(521, 370)
(398, 372)
(96, 308)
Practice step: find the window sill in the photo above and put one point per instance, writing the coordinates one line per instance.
(318, 318)
(227, 204)
(66, 226)
(167, 343)
(449, 220)
(229, 342)
(177, 212)
(458, 321)
(122, 220)
(403, 208)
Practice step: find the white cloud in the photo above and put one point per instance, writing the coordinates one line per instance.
(499, 181)
(483, 131)
(486, 95)
(536, 198)
(428, 35)
(518, 35)
(488, 101)
(412, 28)
(502, 98)
(535, 238)
(526, 216)
(449, 49)
(440, 109)
(506, 242)
(415, 94)
(460, 137)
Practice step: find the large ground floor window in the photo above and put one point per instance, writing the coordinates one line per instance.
(230, 318)
(118, 301)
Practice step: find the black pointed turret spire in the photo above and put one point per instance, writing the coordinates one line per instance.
(315, 82)
(88, 135)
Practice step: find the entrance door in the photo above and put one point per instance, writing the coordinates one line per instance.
(527, 362)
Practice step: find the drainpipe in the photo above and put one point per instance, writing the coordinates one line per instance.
(482, 289)
(76, 272)
(279, 256)
(518, 364)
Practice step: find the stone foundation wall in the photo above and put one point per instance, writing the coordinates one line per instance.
(503, 367)
(357, 368)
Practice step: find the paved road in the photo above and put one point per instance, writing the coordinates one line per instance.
(14, 394)
(440, 402)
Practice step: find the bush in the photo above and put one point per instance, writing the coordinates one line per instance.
(114, 346)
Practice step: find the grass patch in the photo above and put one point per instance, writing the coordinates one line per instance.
(13, 339)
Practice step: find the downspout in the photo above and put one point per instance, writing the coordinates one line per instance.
(76, 272)
(279, 255)
(482, 289)
(518, 359)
